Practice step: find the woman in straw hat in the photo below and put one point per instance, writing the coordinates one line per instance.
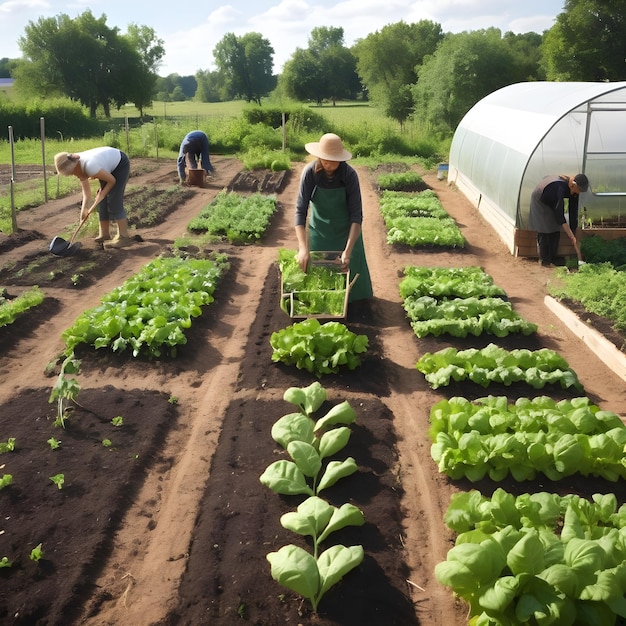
(111, 168)
(331, 188)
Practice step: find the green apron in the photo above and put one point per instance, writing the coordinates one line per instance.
(329, 227)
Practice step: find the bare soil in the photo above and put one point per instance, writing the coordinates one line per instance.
(170, 524)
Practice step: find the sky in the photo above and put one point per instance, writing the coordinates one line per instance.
(190, 30)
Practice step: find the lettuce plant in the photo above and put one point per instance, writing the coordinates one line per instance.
(537, 558)
(318, 348)
(490, 437)
(494, 364)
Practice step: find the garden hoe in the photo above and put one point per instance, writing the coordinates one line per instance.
(60, 247)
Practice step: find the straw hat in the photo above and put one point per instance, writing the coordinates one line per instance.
(329, 148)
(65, 163)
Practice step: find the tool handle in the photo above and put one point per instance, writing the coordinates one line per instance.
(79, 227)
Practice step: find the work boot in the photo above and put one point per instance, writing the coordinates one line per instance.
(120, 242)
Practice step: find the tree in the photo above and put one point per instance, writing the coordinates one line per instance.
(246, 64)
(465, 68)
(587, 42)
(324, 70)
(327, 68)
(89, 62)
(389, 59)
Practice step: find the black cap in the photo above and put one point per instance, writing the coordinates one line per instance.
(582, 181)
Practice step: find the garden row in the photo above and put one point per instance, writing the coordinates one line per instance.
(537, 558)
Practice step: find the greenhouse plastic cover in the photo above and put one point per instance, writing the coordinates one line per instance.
(516, 135)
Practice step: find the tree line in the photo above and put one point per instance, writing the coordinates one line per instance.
(409, 70)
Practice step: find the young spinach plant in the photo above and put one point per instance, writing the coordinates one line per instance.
(308, 442)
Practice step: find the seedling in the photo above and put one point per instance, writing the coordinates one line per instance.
(173, 400)
(4, 562)
(107, 443)
(9, 446)
(58, 480)
(36, 554)
(6, 480)
(65, 389)
(117, 421)
(54, 443)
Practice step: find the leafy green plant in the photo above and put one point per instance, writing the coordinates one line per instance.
(118, 420)
(537, 558)
(494, 364)
(54, 444)
(150, 311)
(58, 480)
(4, 562)
(237, 218)
(424, 231)
(448, 282)
(399, 181)
(491, 437)
(418, 220)
(66, 389)
(401, 204)
(600, 288)
(107, 443)
(9, 446)
(460, 317)
(296, 569)
(318, 348)
(308, 442)
(6, 480)
(36, 554)
(321, 290)
(11, 309)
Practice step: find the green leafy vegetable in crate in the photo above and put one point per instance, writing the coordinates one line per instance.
(319, 291)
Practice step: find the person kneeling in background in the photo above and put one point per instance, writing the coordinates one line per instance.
(194, 146)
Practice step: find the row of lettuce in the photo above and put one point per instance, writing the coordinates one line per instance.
(538, 558)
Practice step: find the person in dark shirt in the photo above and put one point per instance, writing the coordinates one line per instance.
(547, 213)
(330, 188)
(194, 146)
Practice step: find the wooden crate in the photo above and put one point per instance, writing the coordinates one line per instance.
(525, 244)
(290, 299)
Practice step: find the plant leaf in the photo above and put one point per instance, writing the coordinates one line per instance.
(295, 569)
(333, 564)
(285, 478)
(311, 517)
(293, 427)
(305, 457)
(336, 470)
(346, 515)
(333, 440)
(341, 413)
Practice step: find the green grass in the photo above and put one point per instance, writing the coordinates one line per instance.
(370, 136)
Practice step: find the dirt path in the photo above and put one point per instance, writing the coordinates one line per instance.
(140, 580)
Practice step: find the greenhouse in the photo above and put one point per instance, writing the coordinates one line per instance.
(512, 138)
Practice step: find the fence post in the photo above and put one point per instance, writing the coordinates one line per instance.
(12, 183)
(42, 125)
